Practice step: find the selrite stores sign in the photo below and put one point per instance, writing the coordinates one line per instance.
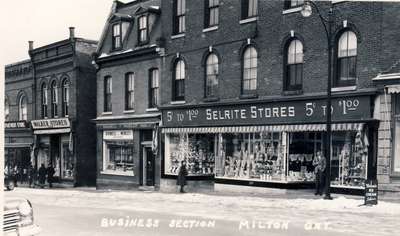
(343, 109)
(50, 123)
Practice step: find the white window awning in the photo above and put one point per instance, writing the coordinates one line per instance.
(271, 128)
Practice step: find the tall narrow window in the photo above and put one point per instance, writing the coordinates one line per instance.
(129, 91)
(211, 75)
(107, 94)
(116, 36)
(294, 65)
(249, 78)
(179, 80)
(23, 108)
(6, 110)
(293, 3)
(249, 8)
(44, 100)
(54, 99)
(65, 96)
(154, 88)
(143, 32)
(179, 16)
(211, 13)
(346, 60)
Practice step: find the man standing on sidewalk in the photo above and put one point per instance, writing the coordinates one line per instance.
(319, 164)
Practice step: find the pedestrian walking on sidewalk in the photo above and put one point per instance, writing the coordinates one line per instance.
(319, 164)
(42, 175)
(50, 175)
(31, 175)
(181, 181)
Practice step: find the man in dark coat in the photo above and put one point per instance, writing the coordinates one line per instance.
(319, 164)
(181, 180)
(50, 175)
(42, 175)
(31, 175)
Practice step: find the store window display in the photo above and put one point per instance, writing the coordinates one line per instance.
(251, 156)
(196, 150)
(349, 158)
(118, 158)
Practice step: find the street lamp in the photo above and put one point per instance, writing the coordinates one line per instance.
(327, 23)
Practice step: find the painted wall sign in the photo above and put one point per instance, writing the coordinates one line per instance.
(15, 124)
(51, 123)
(346, 108)
(118, 134)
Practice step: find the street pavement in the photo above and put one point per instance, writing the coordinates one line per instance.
(90, 212)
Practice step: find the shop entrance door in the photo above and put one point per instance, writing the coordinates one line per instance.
(55, 156)
(148, 158)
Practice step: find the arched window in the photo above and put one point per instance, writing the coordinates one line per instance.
(249, 78)
(211, 75)
(179, 80)
(44, 100)
(6, 110)
(294, 65)
(54, 100)
(65, 97)
(23, 108)
(346, 59)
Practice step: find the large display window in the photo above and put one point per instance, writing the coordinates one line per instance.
(118, 158)
(197, 150)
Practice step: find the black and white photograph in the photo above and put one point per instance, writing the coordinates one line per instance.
(200, 117)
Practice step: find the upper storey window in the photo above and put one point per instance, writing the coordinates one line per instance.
(179, 80)
(6, 110)
(107, 94)
(23, 108)
(65, 97)
(143, 30)
(293, 3)
(249, 77)
(54, 100)
(211, 75)
(211, 13)
(44, 100)
(116, 36)
(294, 65)
(346, 59)
(249, 8)
(179, 16)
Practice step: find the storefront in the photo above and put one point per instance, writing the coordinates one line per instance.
(17, 149)
(271, 143)
(126, 156)
(54, 146)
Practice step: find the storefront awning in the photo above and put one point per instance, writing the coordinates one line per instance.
(52, 131)
(393, 89)
(273, 128)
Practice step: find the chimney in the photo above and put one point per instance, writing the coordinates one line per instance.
(30, 45)
(71, 32)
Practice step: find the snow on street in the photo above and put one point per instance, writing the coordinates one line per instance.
(91, 212)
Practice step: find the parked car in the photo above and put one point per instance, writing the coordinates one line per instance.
(18, 218)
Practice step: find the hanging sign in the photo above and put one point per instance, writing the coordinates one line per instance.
(15, 124)
(371, 192)
(118, 135)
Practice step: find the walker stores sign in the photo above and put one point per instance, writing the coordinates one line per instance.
(51, 123)
(342, 109)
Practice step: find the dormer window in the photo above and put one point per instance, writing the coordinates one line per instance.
(116, 36)
(143, 31)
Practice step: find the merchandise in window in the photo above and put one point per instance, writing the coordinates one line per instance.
(67, 163)
(251, 156)
(197, 150)
(119, 158)
(349, 158)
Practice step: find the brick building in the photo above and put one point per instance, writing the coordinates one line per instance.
(18, 113)
(129, 66)
(244, 91)
(64, 98)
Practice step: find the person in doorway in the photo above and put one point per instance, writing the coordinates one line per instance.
(181, 181)
(50, 175)
(31, 175)
(42, 175)
(319, 164)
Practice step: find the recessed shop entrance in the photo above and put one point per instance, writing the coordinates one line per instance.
(148, 171)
